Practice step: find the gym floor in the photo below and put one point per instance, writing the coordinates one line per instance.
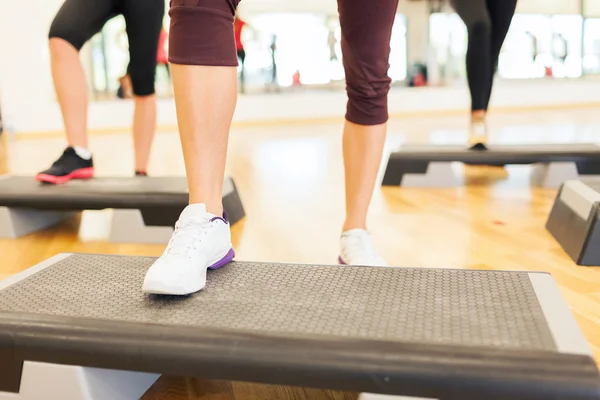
(291, 182)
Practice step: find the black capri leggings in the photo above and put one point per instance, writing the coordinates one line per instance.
(487, 22)
(78, 20)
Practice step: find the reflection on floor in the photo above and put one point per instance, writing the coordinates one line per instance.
(291, 181)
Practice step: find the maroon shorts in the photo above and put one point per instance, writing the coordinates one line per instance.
(202, 34)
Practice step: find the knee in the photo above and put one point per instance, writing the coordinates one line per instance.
(142, 82)
(63, 36)
(367, 85)
(191, 25)
(480, 27)
(367, 102)
(59, 46)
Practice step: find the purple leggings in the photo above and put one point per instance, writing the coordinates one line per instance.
(202, 34)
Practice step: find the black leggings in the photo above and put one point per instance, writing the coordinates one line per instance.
(487, 22)
(78, 20)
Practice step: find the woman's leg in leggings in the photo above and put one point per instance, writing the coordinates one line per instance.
(204, 68)
(366, 32)
(143, 19)
(204, 72)
(501, 13)
(75, 23)
(474, 14)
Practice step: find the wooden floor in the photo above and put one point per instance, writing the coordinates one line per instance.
(290, 179)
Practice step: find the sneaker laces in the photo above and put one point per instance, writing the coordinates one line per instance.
(187, 236)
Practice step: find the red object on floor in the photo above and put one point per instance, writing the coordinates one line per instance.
(419, 80)
(296, 79)
(82, 173)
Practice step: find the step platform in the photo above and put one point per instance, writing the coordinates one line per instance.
(78, 325)
(575, 220)
(145, 209)
(431, 165)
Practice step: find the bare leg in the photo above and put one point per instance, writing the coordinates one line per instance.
(366, 34)
(363, 148)
(204, 74)
(478, 115)
(144, 125)
(70, 85)
(205, 97)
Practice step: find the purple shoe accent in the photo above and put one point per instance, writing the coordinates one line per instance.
(341, 261)
(216, 218)
(223, 261)
(223, 218)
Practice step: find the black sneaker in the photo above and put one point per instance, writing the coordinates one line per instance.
(68, 166)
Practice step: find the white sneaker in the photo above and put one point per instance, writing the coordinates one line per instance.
(356, 248)
(478, 134)
(200, 241)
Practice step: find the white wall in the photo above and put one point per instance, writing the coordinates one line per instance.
(591, 8)
(256, 6)
(417, 30)
(549, 6)
(27, 95)
(117, 114)
(25, 79)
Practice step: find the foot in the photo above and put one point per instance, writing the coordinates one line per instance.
(201, 241)
(478, 135)
(69, 166)
(125, 88)
(141, 173)
(356, 248)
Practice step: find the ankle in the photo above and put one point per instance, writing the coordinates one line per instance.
(82, 152)
(350, 225)
(213, 207)
(478, 116)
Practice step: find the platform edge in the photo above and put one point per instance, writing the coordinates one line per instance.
(561, 322)
(579, 197)
(11, 280)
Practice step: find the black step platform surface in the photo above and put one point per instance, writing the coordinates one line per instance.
(415, 158)
(160, 199)
(506, 154)
(97, 193)
(444, 334)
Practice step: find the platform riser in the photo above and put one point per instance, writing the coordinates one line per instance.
(16, 222)
(579, 237)
(150, 224)
(591, 256)
(436, 174)
(51, 381)
(552, 175)
(439, 174)
(128, 226)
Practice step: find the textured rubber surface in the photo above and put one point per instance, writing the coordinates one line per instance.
(399, 304)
